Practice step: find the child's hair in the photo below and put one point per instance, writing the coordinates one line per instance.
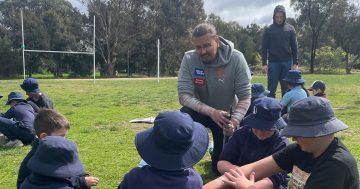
(47, 121)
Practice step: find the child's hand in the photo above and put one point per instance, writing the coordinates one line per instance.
(91, 181)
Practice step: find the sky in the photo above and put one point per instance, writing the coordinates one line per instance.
(244, 12)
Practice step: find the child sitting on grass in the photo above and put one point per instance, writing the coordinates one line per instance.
(170, 149)
(318, 88)
(17, 123)
(51, 123)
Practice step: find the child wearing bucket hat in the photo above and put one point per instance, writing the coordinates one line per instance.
(317, 159)
(51, 123)
(17, 122)
(318, 88)
(296, 88)
(36, 98)
(170, 149)
(258, 139)
(54, 164)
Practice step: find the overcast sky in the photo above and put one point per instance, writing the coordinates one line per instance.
(244, 12)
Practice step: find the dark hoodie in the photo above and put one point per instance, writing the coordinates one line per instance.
(279, 41)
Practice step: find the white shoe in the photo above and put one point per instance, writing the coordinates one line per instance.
(13, 143)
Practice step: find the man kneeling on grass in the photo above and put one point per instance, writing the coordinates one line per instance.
(317, 159)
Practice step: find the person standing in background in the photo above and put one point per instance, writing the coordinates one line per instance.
(279, 51)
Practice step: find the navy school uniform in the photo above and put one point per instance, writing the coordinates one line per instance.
(244, 148)
(17, 123)
(152, 178)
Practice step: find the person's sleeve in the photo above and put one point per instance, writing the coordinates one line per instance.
(79, 182)
(242, 88)
(280, 179)
(232, 149)
(124, 183)
(331, 175)
(284, 158)
(285, 99)
(186, 90)
(34, 106)
(294, 46)
(10, 113)
(264, 47)
(24, 171)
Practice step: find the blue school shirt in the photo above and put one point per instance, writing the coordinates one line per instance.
(152, 178)
(295, 94)
(244, 148)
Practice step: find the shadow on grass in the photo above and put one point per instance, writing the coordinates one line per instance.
(208, 175)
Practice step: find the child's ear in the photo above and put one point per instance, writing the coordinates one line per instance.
(42, 135)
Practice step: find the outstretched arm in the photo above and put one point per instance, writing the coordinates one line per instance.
(261, 169)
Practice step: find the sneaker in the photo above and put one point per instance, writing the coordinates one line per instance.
(13, 143)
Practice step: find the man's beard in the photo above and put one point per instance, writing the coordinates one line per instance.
(207, 59)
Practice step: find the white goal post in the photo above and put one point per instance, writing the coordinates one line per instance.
(50, 51)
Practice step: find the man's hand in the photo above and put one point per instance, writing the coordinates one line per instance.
(295, 67)
(220, 117)
(238, 180)
(265, 68)
(91, 181)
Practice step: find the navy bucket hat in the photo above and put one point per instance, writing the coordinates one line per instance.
(294, 76)
(312, 117)
(266, 115)
(175, 142)
(56, 157)
(30, 85)
(258, 90)
(15, 96)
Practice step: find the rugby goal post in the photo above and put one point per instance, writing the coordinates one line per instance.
(50, 51)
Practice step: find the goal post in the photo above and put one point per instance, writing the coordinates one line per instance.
(50, 51)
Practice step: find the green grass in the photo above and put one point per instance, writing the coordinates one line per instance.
(99, 115)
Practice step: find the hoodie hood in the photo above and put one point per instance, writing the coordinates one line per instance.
(225, 51)
(279, 8)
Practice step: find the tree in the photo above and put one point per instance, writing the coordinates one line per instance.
(315, 14)
(346, 25)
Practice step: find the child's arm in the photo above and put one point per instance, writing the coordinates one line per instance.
(84, 181)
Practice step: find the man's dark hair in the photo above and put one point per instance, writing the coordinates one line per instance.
(47, 121)
(203, 29)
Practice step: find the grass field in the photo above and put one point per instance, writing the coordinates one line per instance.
(99, 115)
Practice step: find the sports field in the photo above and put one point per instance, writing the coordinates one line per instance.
(99, 114)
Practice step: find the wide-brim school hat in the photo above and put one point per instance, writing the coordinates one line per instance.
(56, 157)
(294, 76)
(258, 90)
(30, 85)
(312, 117)
(175, 142)
(15, 96)
(265, 115)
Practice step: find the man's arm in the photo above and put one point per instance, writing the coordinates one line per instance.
(294, 48)
(262, 169)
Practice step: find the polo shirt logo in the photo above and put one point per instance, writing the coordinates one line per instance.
(199, 72)
(199, 81)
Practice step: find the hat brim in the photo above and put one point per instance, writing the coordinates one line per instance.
(52, 170)
(257, 123)
(19, 99)
(260, 94)
(146, 147)
(315, 130)
(296, 81)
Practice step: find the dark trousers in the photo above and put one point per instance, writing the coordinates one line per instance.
(217, 133)
(15, 130)
(277, 71)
